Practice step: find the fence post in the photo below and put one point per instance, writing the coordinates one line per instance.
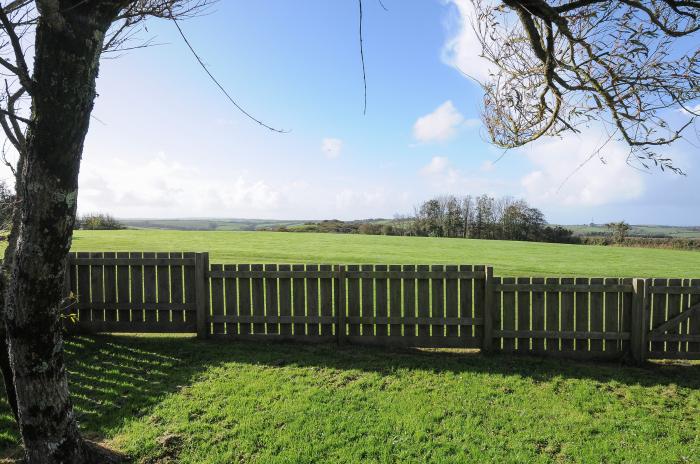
(487, 342)
(341, 309)
(638, 334)
(201, 278)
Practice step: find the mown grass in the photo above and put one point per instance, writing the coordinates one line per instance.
(508, 258)
(170, 399)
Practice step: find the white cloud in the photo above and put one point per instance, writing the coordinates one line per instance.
(446, 178)
(462, 50)
(350, 199)
(331, 147)
(566, 174)
(438, 126)
(488, 166)
(160, 187)
(437, 165)
(472, 122)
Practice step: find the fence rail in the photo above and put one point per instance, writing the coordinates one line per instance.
(391, 305)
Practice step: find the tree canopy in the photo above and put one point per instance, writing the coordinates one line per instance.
(561, 64)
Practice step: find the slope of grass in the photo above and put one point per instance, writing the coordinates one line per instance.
(508, 258)
(168, 399)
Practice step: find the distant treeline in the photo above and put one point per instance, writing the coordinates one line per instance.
(485, 217)
(480, 217)
(365, 226)
(98, 221)
(692, 244)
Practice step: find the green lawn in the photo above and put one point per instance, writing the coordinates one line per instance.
(508, 258)
(169, 399)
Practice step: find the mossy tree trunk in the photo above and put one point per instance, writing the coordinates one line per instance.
(69, 40)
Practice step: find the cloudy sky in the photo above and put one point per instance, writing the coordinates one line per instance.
(165, 143)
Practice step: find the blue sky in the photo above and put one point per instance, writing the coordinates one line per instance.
(165, 143)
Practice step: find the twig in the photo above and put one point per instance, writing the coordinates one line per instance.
(362, 57)
(223, 90)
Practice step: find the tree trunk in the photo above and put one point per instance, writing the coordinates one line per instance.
(69, 39)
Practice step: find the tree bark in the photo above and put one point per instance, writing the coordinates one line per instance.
(69, 39)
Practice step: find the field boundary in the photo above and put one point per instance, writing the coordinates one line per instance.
(436, 306)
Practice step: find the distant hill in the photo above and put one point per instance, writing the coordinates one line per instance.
(226, 224)
(237, 224)
(639, 231)
(208, 224)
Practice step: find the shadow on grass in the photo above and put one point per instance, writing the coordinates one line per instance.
(115, 378)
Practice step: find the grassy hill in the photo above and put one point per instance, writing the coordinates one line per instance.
(508, 258)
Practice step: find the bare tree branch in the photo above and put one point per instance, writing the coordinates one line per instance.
(562, 64)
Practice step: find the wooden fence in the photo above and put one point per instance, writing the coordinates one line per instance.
(442, 306)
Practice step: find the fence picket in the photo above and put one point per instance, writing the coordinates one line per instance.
(523, 315)
(110, 289)
(163, 279)
(231, 299)
(244, 303)
(258, 299)
(423, 302)
(97, 289)
(538, 315)
(380, 287)
(694, 321)
(612, 308)
(150, 292)
(471, 305)
(123, 291)
(312, 306)
(673, 309)
(271, 305)
(189, 284)
(566, 317)
(658, 312)
(137, 315)
(409, 300)
(625, 323)
(496, 309)
(353, 302)
(581, 319)
(509, 313)
(217, 300)
(596, 316)
(438, 301)
(326, 284)
(452, 302)
(285, 300)
(395, 330)
(176, 288)
(367, 310)
(552, 316)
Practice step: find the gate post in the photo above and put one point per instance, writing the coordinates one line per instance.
(201, 278)
(487, 342)
(638, 331)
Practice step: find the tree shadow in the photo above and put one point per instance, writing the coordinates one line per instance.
(115, 378)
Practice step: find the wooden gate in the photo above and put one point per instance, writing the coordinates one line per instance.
(672, 310)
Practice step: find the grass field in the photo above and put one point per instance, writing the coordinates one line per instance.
(508, 258)
(178, 400)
